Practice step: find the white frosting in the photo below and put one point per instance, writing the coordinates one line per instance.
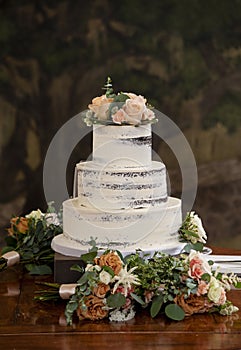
(122, 226)
(122, 146)
(121, 196)
(114, 188)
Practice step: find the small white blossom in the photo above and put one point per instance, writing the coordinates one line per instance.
(229, 310)
(52, 218)
(126, 279)
(120, 316)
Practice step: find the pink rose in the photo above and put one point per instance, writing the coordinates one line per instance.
(119, 117)
(195, 269)
(202, 288)
(197, 265)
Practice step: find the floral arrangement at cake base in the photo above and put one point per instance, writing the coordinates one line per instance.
(29, 241)
(116, 287)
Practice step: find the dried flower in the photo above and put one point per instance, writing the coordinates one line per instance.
(92, 309)
(110, 259)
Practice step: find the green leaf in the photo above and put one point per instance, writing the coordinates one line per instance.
(174, 312)
(121, 97)
(116, 300)
(38, 269)
(198, 246)
(206, 277)
(137, 299)
(77, 268)
(190, 246)
(109, 270)
(237, 285)
(89, 257)
(156, 305)
(85, 277)
(69, 310)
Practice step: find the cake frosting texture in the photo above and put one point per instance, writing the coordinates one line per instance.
(120, 196)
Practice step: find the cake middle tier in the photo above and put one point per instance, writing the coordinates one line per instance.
(105, 187)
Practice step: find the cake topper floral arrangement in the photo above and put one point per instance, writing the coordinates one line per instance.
(123, 108)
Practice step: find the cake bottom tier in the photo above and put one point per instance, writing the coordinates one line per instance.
(155, 225)
(69, 247)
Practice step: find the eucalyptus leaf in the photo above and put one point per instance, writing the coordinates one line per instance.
(121, 97)
(116, 300)
(89, 257)
(156, 305)
(85, 277)
(137, 299)
(175, 312)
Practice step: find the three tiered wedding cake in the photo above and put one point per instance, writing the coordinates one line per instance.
(120, 196)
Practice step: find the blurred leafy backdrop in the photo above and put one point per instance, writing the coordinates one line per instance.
(183, 55)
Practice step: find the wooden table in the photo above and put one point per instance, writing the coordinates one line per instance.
(27, 324)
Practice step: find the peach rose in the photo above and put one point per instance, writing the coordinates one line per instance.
(94, 309)
(100, 290)
(194, 304)
(110, 259)
(18, 223)
(100, 106)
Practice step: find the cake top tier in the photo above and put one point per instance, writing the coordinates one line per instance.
(123, 108)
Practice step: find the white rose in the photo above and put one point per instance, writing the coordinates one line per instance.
(195, 220)
(215, 291)
(105, 277)
(134, 108)
(35, 214)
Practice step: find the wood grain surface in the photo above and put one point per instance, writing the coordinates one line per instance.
(28, 324)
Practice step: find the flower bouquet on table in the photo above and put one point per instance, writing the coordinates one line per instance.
(29, 241)
(116, 287)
